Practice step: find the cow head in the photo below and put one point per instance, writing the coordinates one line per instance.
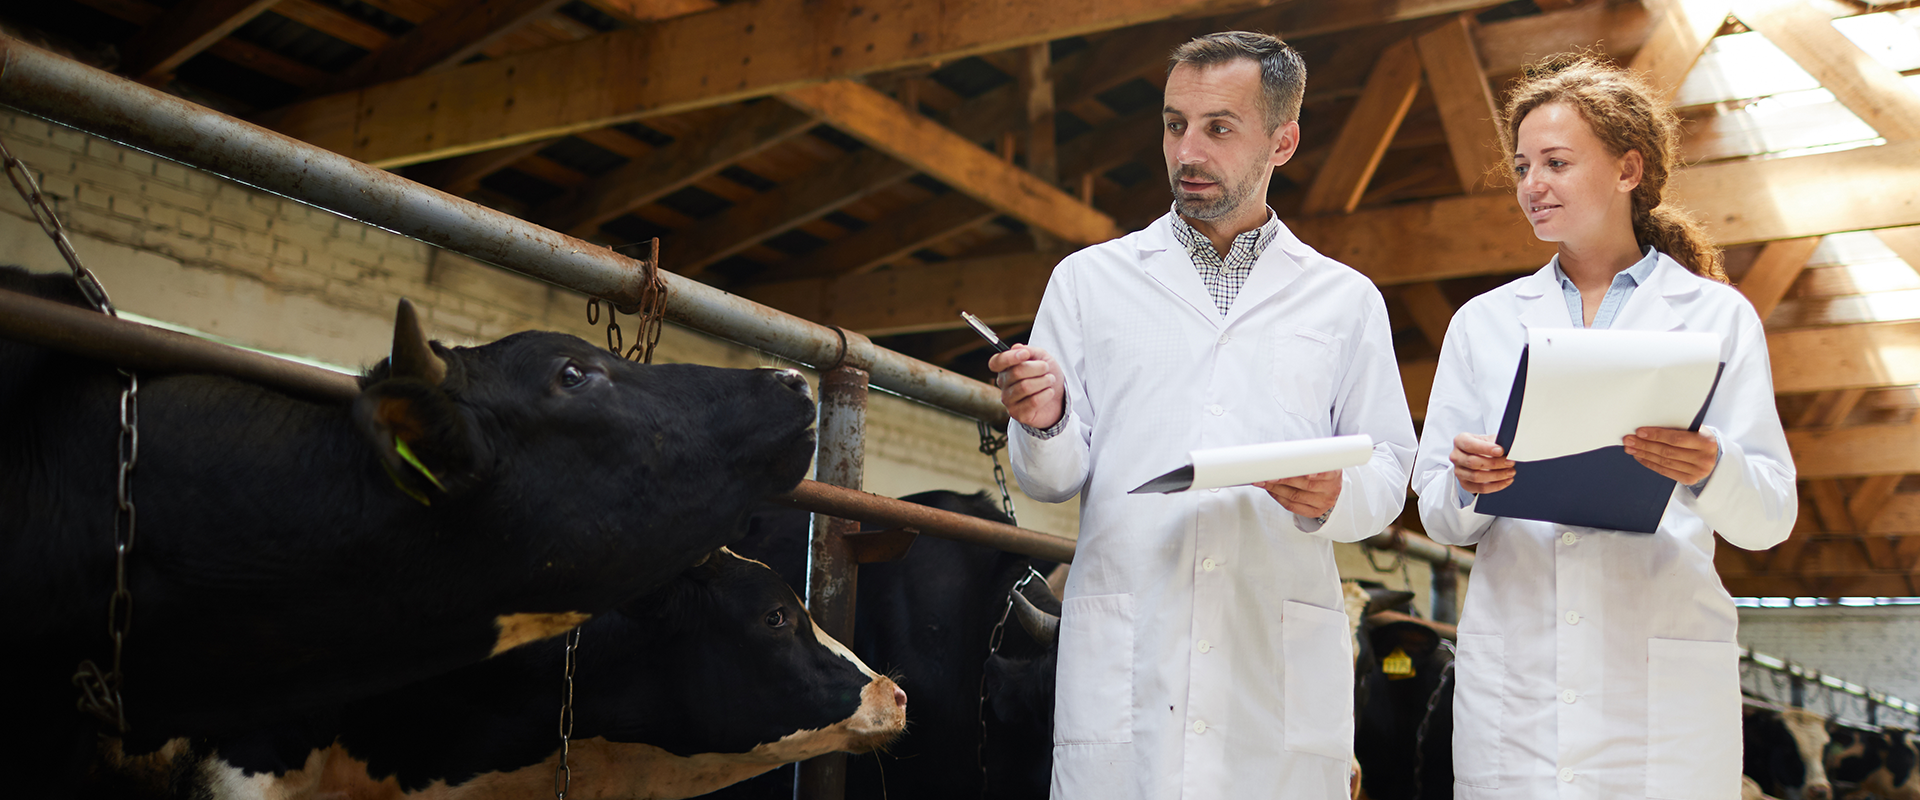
(1785, 752)
(1020, 692)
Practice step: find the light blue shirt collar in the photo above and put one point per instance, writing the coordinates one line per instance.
(1622, 288)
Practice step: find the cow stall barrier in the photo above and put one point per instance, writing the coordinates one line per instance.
(60, 90)
(1783, 683)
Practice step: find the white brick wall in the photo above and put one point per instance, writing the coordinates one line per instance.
(1877, 646)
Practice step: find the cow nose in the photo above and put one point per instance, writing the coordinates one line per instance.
(792, 379)
(1818, 791)
(899, 697)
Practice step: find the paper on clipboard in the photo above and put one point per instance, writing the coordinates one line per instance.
(1588, 389)
(1237, 466)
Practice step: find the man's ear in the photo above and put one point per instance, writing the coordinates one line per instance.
(1286, 140)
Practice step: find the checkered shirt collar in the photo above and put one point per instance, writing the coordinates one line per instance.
(1224, 277)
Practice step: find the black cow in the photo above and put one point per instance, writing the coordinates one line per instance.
(716, 677)
(1784, 752)
(926, 619)
(1404, 682)
(1883, 765)
(290, 556)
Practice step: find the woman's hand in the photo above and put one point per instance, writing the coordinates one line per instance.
(1479, 465)
(1684, 456)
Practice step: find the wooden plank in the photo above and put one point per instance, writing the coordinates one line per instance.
(1830, 500)
(787, 206)
(1858, 451)
(1368, 130)
(458, 176)
(334, 22)
(888, 239)
(1904, 242)
(1774, 272)
(885, 125)
(1616, 29)
(770, 46)
(638, 11)
(268, 63)
(1000, 289)
(1036, 84)
(1755, 201)
(689, 159)
(1849, 584)
(1899, 516)
(450, 37)
(1430, 310)
(1680, 34)
(1870, 499)
(186, 30)
(1117, 141)
(1871, 90)
(1452, 65)
(1845, 357)
(1806, 312)
(1416, 379)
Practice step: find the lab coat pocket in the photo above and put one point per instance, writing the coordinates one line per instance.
(1479, 709)
(1693, 719)
(1302, 373)
(1318, 655)
(1094, 703)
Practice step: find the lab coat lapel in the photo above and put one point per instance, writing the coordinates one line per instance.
(1167, 262)
(1542, 303)
(1278, 266)
(1649, 309)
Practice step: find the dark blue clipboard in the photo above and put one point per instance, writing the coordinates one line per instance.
(1602, 488)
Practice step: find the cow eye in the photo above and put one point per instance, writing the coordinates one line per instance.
(777, 618)
(572, 375)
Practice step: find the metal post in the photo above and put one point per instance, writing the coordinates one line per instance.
(1798, 690)
(832, 572)
(1446, 593)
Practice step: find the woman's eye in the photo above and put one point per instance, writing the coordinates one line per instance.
(572, 375)
(777, 618)
(1519, 169)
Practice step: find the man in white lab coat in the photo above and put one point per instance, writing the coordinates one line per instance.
(1203, 650)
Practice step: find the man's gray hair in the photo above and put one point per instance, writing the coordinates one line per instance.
(1283, 76)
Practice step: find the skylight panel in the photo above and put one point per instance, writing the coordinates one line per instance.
(1893, 38)
(1740, 66)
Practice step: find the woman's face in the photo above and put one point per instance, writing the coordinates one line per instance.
(1570, 188)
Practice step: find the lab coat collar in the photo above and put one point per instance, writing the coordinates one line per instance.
(1543, 305)
(1167, 262)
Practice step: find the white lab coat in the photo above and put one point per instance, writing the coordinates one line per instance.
(1204, 652)
(1594, 663)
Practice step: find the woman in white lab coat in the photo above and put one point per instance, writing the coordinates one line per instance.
(1597, 663)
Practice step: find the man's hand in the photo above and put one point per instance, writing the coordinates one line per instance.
(1684, 456)
(1031, 385)
(1308, 495)
(1479, 464)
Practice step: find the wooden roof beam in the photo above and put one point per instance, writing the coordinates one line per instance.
(1863, 450)
(929, 147)
(688, 160)
(887, 239)
(450, 37)
(1773, 273)
(675, 65)
(1452, 64)
(791, 204)
(1871, 90)
(929, 297)
(1368, 130)
(1680, 34)
(183, 32)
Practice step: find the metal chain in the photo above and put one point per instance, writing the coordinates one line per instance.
(990, 446)
(1433, 700)
(99, 690)
(652, 311)
(562, 773)
(993, 648)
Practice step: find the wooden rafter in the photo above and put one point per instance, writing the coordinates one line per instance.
(791, 204)
(1845, 357)
(1863, 450)
(920, 298)
(662, 172)
(1780, 263)
(1870, 499)
(1430, 310)
(1036, 84)
(1871, 90)
(1904, 242)
(1368, 130)
(1830, 499)
(1680, 34)
(887, 239)
(461, 175)
(774, 46)
(454, 35)
(1452, 65)
(1616, 28)
(182, 33)
(885, 125)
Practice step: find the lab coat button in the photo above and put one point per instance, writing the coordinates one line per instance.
(1567, 696)
(1216, 410)
(1208, 564)
(1205, 646)
(1566, 776)
(1225, 338)
(1567, 537)
(1573, 618)
(1215, 490)
(1199, 727)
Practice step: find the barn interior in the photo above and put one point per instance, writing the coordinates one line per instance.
(881, 165)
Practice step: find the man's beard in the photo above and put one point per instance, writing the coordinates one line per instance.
(1232, 195)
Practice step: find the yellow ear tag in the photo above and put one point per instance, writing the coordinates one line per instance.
(406, 454)
(1397, 665)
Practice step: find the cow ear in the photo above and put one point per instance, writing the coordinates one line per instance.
(422, 436)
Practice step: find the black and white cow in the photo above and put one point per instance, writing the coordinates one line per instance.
(291, 555)
(1883, 765)
(926, 619)
(717, 676)
(1785, 752)
(1404, 685)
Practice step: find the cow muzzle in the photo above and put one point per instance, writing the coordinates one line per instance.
(881, 717)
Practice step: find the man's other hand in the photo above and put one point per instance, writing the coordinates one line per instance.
(1309, 496)
(1031, 386)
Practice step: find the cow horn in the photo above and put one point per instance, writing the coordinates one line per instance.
(1042, 626)
(412, 357)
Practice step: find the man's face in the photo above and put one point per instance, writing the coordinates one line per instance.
(1220, 156)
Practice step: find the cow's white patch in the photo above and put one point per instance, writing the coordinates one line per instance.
(841, 650)
(518, 629)
(1810, 737)
(219, 780)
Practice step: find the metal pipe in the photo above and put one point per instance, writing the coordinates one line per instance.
(58, 89)
(833, 574)
(892, 513)
(1420, 547)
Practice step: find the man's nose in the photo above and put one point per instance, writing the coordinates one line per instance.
(1188, 150)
